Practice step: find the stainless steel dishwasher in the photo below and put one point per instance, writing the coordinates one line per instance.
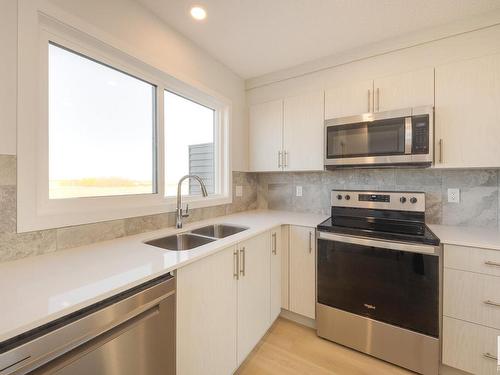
(132, 333)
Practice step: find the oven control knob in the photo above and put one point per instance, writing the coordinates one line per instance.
(413, 200)
(339, 197)
(402, 199)
(347, 197)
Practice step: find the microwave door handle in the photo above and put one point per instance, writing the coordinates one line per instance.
(408, 135)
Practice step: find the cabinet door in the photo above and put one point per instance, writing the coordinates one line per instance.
(467, 113)
(303, 271)
(266, 136)
(206, 315)
(347, 100)
(404, 90)
(303, 132)
(276, 255)
(285, 267)
(254, 294)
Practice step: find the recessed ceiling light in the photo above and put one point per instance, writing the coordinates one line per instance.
(198, 13)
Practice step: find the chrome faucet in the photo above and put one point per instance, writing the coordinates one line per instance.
(179, 213)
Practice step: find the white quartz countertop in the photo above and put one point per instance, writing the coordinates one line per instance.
(37, 290)
(487, 238)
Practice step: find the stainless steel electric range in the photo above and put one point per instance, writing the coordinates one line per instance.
(378, 279)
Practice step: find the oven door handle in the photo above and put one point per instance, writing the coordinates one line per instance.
(365, 241)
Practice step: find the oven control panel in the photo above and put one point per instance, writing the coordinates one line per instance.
(381, 200)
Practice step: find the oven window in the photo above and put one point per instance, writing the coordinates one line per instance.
(377, 138)
(395, 287)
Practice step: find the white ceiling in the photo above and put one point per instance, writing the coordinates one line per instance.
(255, 37)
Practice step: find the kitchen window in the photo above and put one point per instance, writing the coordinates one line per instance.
(190, 144)
(109, 136)
(101, 129)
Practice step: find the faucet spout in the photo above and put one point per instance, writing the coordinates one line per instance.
(179, 213)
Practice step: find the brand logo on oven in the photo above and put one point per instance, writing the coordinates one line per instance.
(370, 307)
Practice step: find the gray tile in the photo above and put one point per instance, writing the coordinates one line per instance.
(141, 224)
(15, 246)
(418, 177)
(307, 178)
(8, 170)
(89, 233)
(382, 179)
(470, 178)
(279, 196)
(478, 207)
(7, 209)
(314, 199)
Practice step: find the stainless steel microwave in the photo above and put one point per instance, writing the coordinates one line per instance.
(394, 138)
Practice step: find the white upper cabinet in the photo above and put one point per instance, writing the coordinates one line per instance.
(468, 113)
(411, 89)
(266, 136)
(287, 134)
(303, 132)
(349, 99)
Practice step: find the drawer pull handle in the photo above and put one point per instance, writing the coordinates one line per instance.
(492, 303)
(490, 263)
(490, 356)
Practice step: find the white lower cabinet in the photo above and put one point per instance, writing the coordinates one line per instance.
(224, 305)
(207, 316)
(254, 294)
(276, 278)
(471, 309)
(470, 347)
(302, 242)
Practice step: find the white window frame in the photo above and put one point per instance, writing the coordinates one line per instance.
(35, 210)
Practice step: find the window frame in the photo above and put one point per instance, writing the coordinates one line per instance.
(35, 210)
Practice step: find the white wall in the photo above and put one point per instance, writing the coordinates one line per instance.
(466, 45)
(8, 76)
(151, 39)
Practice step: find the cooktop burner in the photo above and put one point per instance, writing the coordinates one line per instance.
(394, 216)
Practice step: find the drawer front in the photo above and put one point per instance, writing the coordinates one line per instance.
(473, 297)
(469, 347)
(472, 259)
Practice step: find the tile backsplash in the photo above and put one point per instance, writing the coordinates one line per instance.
(479, 203)
(19, 245)
(479, 198)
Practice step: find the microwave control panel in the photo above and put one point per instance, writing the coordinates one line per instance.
(420, 134)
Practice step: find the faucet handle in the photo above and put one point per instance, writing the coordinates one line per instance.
(186, 213)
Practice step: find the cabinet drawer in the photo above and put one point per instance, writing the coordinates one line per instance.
(473, 297)
(472, 259)
(469, 347)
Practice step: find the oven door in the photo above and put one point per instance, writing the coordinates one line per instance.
(391, 282)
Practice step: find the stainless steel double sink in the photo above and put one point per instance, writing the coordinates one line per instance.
(196, 237)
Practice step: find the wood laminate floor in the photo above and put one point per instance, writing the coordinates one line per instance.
(292, 349)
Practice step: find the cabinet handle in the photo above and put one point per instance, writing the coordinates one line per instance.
(279, 159)
(310, 242)
(274, 243)
(369, 100)
(236, 265)
(441, 150)
(285, 157)
(490, 356)
(242, 253)
(490, 263)
(491, 303)
(378, 99)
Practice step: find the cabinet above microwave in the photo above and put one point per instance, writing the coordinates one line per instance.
(393, 138)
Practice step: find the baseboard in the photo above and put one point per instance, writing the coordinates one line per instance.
(297, 318)
(446, 370)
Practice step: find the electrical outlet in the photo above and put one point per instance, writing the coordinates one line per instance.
(239, 191)
(298, 191)
(454, 195)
